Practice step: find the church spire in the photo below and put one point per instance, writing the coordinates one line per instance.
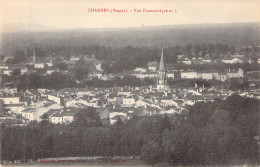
(162, 67)
(162, 76)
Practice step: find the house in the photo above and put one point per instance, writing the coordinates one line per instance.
(197, 61)
(29, 114)
(51, 112)
(149, 74)
(3, 67)
(116, 114)
(170, 75)
(153, 111)
(235, 73)
(45, 108)
(39, 65)
(24, 70)
(171, 111)
(138, 69)
(50, 71)
(68, 117)
(77, 102)
(168, 102)
(189, 74)
(208, 74)
(222, 76)
(54, 98)
(7, 71)
(96, 73)
(152, 66)
(98, 67)
(10, 100)
(16, 108)
(207, 60)
(74, 58)
(180, 57)
(107, 77)
(49, 64)
(232, 60)
(186, 61)
(258, 60)
(128, 100)
(57, 118)
(236, 55)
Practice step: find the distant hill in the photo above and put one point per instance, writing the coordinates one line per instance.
(158, 36)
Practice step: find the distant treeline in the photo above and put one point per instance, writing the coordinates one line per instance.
(58, 81)
(213, 133)
(116, 60)
(161, 36)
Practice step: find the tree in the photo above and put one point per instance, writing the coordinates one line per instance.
(16, 72)
(19, 57)
(151, 153)
(165, 122)
(44, 117)
(87, 118)
(81, 69)
(62, 66)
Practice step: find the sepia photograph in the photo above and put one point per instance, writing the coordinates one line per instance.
(130, 83)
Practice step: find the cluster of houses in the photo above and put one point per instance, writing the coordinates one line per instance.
(222, 75)
(227, 59)
(111, 103)
(60, 107)
(36, 62)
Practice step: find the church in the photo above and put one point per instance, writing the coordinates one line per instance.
(162, 76)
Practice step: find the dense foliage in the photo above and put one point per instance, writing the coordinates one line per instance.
(213, 133)
(58, 80)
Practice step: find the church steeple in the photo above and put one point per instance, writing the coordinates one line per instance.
(162, 78)
(162, 67)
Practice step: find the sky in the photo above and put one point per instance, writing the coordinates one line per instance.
(69, 14)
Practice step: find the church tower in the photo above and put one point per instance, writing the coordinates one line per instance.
(162, 76)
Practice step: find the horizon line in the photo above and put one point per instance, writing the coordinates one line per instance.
(53, 28)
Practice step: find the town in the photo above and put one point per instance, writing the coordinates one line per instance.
(129, 83)
(158, 96)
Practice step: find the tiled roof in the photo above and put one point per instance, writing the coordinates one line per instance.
(29, 110)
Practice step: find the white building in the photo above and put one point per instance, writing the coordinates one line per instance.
(57, 118)
(170, 75)
(232, 60)
(74, 59)
(4, 67)
(16, 108)
(7, 71)
(99, 67)
(29, 114)
(54, 99)
(113, 116)
(152, 66)
(186, 61)
(39, 65)
(68, 117)
(140, 69)
(128, 101)
(10, 100)
(189, 74)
